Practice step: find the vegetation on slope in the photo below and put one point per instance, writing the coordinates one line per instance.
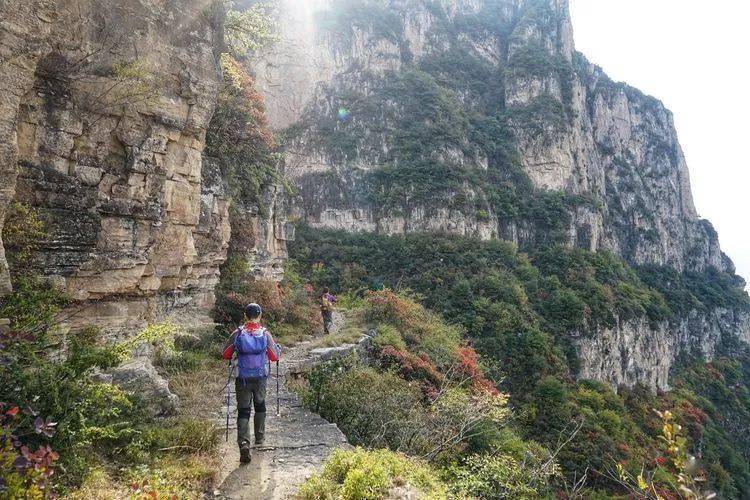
(422, 392)
(520, 311)
(64, 428)
(238, 138)
(372, 475)
(438, 128)
(438, 133)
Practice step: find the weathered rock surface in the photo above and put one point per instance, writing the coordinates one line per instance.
(620, 146)
(261, 235)
(4, 326)
(108, 121)
(141, 378)
(24, 28)
(638, 352)
(575, 130)
(102, 124)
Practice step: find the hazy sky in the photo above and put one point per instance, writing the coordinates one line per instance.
(693, 55)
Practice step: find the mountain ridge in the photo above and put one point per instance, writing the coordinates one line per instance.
(480, 119)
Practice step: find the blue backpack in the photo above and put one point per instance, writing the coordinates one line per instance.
(252, 356)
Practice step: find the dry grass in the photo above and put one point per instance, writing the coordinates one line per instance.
(170, 477)
(198, 389)
(288, 336)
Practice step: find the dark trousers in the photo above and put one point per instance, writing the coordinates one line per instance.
(327, 321)
(251, 393)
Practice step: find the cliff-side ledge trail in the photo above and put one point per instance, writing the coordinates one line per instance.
(297, 442)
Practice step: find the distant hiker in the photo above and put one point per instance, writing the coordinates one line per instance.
(326, 308)
(254, 348)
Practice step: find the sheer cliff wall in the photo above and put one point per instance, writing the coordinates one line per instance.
(103, 121)
(479, 118)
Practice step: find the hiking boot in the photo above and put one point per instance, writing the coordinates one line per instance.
(245, 457)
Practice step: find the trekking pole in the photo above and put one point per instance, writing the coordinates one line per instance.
(229, 384)
(278, 407)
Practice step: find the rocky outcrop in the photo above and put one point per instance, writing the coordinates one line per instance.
(636, 351)
(24, 28)
(104, 117)
(4, 326)
(139, 377)
(261, 232)
(575, 130)
(479, 118)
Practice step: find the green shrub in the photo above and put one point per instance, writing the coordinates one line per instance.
(503, 476)
(23, 231)
(183, 361)
(33, 305)
(239, 140)
(387, 335)
(372, 408)
(696, 290)
(290, 309)
(371, 475)
(422, 331)
(92, 420)
(521, 313)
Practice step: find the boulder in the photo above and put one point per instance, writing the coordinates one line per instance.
(141, 378)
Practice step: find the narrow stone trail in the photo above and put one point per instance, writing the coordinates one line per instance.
(297, 442)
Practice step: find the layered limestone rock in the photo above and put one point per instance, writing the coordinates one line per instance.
(614, 144)
(636, 351)
(24, 28)
(503, 73)
(260, 235)
(104, 113)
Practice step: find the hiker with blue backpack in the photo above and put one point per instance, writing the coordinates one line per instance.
(253, 348)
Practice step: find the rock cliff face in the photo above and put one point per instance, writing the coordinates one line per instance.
(471, 117)
(638, 352)
(108, 109)
(479, 118)
(102, 124)
(575, 130)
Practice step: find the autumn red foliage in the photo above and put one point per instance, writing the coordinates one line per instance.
(416, 324)
(468, 365)
(34, 468)
(412, 367)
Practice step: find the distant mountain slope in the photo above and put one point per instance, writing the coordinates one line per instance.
(476, 118)
(479, 119)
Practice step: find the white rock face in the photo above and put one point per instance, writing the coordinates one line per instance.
(289, 72)
(620, 146)
(575, 130)
(637, 352)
